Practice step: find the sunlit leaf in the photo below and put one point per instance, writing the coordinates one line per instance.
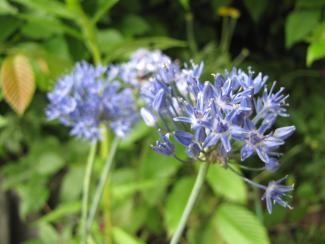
(299, 24)
(238, 225)
(6, 8)
(227, 184)
(18, 82)
(315, 51)
(122, 237)
(60, 211)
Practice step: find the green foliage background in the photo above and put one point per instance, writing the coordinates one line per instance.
(42, 166)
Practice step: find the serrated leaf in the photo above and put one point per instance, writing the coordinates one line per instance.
(18, 82)
(227, 184)
(299, 24)
(315, 51)
(176, 203)
(237, 225)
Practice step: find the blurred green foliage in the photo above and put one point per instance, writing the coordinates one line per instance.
(44, 166)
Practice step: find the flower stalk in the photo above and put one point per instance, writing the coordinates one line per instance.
(191, 201)
(85, 194)
(101, 183)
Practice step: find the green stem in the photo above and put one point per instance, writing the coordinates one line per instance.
(190, 33)
(85, 194)
(191, 201)
(101, 184)
(88, 29)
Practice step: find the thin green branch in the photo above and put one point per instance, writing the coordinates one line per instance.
(101, 184)
(191, 201)
(85, 194)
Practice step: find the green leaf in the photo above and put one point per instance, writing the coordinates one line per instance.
(122, 237)
(154, 166)
(49, 163)
(60, 212)
(104, 7)
(123, 191)
(52, 7)
(8, 25)
(185, 4)
(33, 196)
(6, 8)
(176, 203)
(318, 33)
(47, 234)
(107, 38)
(40, 29)
(227, 184)
(256, 8)
(43, 26)
(310, 3)
(133, 25)
(237, 225)
(139, 131)
(124, 49)
(299, 24)
(315, 51)
(3, 121)
(71, 187)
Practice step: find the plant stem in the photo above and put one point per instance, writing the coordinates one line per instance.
(85, 194)
(88, 29)
(101, 184)
(190, 32)
(191, 201)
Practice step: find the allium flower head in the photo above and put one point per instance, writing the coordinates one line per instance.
(143, 64)
(211, 120)
(88, 97)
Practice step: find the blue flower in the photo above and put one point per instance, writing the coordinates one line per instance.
(274, 193)
(165, 147)
(214, 121)
(271, 105)
(143, 64)
(88, 97)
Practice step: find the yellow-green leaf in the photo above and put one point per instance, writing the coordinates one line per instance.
(18, 82)
(238, 225)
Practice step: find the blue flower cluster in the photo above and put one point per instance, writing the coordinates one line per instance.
(89, 97)
(142, 65)
(212, 119)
